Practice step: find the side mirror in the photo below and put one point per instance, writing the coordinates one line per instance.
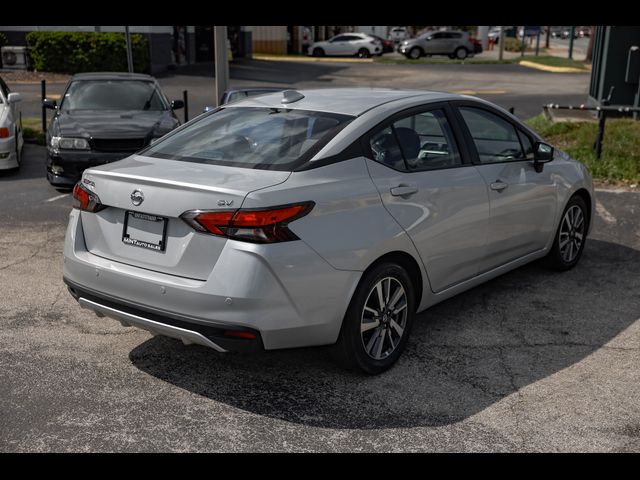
(177, 104)
(542, 153)
(50, 104)
(14, 98)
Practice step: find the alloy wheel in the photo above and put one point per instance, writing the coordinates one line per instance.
(384, 318)
(571, 233)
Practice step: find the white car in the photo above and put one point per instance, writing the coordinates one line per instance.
(10, 128)
(398, 34)
(347, 44)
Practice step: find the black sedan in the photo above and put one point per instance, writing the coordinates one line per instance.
(104, 117)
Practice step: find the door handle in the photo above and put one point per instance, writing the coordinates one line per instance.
(403, 190)
(499, 186)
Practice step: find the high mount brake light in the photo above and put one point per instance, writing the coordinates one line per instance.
(268, 225)
(85, 199)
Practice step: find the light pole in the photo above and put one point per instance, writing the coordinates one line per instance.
(127, 36)
(221, 61)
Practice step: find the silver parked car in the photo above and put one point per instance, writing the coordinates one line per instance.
(320, 217)
(347, 44)
(11, 140)
(453, 43)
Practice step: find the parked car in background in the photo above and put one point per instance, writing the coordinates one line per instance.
(347, 44)
(398, 34)
(566, 33)
(104, 117)
(584, 31)
(453, 43)
(11, 140)
(321, 217)
(387, 45)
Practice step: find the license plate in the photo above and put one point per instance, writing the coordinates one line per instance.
(145, 231)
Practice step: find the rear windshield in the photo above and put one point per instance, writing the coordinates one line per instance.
(113, 95)
(267, 138)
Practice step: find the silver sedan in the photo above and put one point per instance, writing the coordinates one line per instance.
(321, 217)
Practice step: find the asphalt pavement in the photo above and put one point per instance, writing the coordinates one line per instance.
(531, 361)
(511, 85)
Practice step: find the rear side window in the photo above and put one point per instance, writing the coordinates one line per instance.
(266, 138)
(495, 139)
(423, 141)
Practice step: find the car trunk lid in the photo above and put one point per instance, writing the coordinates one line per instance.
(164, 189)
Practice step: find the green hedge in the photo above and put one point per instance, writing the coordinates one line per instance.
(74, 52)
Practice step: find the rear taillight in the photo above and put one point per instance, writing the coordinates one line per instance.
(85, 199)
(4, 132)
(268, 225)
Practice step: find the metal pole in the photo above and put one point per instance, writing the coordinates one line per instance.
(127, 36)
(538, 44)
(523, 46)
(501, 43)
(221, 62)
(571, 34)
(185, 99)
(43, 92)
(600, 135)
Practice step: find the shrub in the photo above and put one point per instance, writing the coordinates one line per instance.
(512, 44)
(75, 52)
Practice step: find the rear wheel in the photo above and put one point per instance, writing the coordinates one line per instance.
(318, 52)
(363, 53)
(570, 237)
(378, 321)
(461, 53)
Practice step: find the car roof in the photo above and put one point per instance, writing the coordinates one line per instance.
(347, 101)
(112, 76)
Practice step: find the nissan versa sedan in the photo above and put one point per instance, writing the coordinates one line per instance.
(104, 117)
(321, 217)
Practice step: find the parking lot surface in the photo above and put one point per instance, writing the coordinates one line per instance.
(531, 361)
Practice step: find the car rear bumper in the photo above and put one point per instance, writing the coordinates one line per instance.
(286, 293)
(73, 163)
(8, 156)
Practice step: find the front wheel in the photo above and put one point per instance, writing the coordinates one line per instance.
(415, 53)
(378, 321)
(570, 237)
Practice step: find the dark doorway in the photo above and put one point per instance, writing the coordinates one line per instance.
(204, 44)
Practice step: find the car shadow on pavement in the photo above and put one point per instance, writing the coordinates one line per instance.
(463, 356)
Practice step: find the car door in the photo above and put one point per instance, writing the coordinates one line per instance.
(428, 184)
(522, 201)
(434, 43)
(337, 45)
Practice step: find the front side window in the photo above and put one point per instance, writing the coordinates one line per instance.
(267, 138)
(113, 95)
(495, 139)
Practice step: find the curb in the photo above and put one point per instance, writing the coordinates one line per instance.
(549, 68)
(291, 58)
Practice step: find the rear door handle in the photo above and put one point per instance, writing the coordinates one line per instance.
(499, 186)
(403, 190)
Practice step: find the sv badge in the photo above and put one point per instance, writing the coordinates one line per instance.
(225, 203)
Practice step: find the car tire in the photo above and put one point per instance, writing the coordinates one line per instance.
(461, 53)
(377, 348)
(318, 52)
(415, 53)
(363, 53)
(571, 236)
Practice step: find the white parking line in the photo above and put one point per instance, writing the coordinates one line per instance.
(604, 213)
(53, 199)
